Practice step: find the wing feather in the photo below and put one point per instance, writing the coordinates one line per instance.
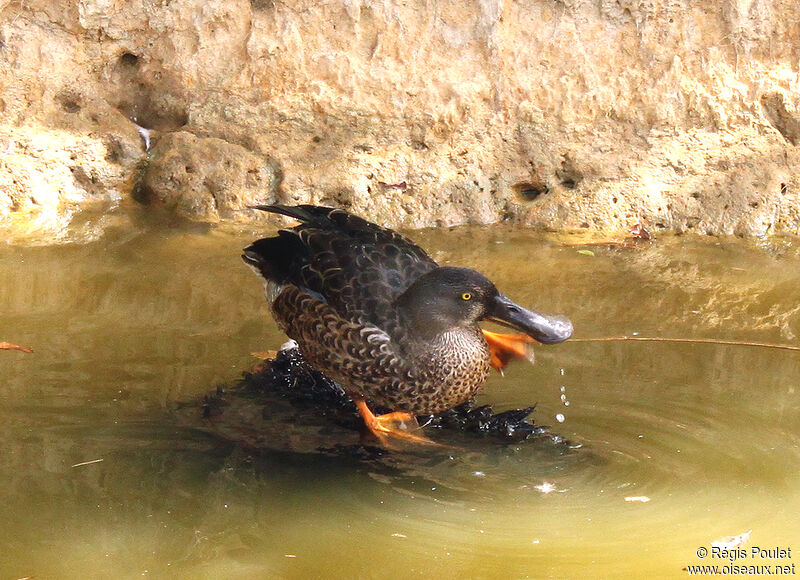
(358, 267)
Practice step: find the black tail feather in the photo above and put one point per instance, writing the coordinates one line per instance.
(329, 219)
(303, 213)
(277, 258)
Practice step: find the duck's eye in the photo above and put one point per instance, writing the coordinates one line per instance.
(466, 296)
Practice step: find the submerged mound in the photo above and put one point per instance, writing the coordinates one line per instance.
(286, 403)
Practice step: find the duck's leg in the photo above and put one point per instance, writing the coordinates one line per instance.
(505, 347)
(391, 425)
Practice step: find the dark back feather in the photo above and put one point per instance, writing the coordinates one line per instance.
(358, 267)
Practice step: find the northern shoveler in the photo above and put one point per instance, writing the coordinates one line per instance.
(372, 311)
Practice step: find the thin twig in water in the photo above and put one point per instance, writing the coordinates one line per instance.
(87, 462)
(11, 346)
(688, 340)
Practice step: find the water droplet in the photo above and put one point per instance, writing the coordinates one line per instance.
(546, 487)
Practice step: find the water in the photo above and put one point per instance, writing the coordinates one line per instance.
(105, 477)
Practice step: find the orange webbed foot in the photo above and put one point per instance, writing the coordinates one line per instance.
(503, 348)
(393, 426)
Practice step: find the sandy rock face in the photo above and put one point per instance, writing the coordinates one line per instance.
(205, 178)
(586, 114)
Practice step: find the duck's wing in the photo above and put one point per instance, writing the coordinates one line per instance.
(355, 266)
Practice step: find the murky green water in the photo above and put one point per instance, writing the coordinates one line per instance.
(129, 327)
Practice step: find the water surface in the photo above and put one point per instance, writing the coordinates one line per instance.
(131, 327)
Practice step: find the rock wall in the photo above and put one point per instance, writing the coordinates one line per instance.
(598, 114)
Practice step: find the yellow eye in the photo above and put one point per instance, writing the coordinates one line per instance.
(466, 296)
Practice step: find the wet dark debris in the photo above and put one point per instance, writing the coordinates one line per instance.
(311, 395)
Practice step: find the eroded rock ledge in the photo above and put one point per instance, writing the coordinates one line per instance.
(589, 114)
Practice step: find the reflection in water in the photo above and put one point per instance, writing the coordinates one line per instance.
(129, 328)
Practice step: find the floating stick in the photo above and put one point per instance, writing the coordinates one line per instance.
(687, 340)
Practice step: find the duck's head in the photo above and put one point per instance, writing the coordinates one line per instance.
(449, 297)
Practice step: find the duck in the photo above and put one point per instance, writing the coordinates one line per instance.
(374, 312)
